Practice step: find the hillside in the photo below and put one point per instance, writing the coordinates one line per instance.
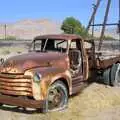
(27, 29)
(111, 32)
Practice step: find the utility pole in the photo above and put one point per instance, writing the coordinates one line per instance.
(5, 31)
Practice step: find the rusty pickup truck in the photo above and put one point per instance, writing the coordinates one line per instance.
(55, 68)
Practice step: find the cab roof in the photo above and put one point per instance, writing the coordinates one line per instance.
(59, 36)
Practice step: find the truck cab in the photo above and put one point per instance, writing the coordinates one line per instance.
(54, 68)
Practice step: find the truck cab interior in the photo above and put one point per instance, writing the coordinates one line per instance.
(75, 56)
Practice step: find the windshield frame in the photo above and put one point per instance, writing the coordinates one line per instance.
(32, 47)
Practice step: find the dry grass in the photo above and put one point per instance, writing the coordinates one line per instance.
(12, 49)
(6, 52)
(97, 102)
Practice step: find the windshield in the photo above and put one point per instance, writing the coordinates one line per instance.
(46, 45)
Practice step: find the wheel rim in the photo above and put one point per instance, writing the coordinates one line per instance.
(56, 98)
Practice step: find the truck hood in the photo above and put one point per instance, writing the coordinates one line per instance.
(21, 63)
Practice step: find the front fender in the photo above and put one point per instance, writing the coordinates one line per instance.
(49, 76)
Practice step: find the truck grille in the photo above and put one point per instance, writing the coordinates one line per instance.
(12, 84)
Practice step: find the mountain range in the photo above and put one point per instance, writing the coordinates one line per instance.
(28, 29)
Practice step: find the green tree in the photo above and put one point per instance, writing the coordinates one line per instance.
(73, 26)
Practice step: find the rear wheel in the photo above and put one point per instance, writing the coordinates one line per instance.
(115, 75)
(57, 97)
(1, 103)
(106, 77)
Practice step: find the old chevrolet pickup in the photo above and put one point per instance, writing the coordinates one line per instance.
(55, 68)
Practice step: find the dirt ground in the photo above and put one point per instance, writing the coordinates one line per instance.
(96, 102)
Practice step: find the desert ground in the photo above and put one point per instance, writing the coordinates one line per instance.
(95, 102)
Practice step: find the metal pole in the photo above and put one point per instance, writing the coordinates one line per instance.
(104, 24)
(119, 24)
(94, 6)
(93, 14)
(108, 24)
(5, 26)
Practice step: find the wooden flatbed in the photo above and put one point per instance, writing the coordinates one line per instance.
(107, 59)
(100, 59)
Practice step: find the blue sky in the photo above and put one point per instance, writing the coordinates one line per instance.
(14, 10)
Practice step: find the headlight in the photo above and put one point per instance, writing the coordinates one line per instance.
(37, 77)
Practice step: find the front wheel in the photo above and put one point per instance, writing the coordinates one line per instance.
(57, 97)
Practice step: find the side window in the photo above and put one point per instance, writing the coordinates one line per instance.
(38, 45)
(75, 56)
(61, 44)
(73, 45)
(87, 45)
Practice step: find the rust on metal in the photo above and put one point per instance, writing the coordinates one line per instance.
(19, 101)
(30, 75)
(105, 63)
(17, 93)
(60, 36)
(15, 84)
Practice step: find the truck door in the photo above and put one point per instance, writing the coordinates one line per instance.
(76, 65)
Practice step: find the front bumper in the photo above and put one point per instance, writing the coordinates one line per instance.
(21, 102)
